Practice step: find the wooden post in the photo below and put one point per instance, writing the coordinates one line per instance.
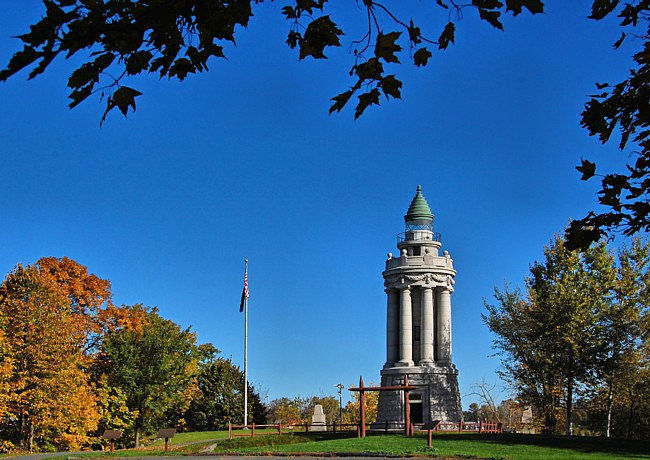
(480, 427)
(386, 426)
(429, 442)
(362, 408)
(460, 426)
(229, 430)
(253, 430)
(407, 408)
(306, 427)
(166, 444)
(280, 428)
(112, 445)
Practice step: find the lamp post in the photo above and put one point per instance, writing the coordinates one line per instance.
(340, 387)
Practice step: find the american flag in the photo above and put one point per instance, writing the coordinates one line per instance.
(244, 292)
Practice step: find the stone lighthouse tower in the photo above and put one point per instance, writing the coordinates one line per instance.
(419, 283)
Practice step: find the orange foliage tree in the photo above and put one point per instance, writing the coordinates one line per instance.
(50, 398)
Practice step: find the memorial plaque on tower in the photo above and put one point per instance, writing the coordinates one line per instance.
(419, 283)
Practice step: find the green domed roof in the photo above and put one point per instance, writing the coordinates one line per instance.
(419, 210)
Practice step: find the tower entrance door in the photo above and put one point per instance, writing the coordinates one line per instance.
(416, 412)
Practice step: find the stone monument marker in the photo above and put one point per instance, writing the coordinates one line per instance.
(318, 420)
(419, 283)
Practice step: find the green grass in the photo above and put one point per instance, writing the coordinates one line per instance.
(503, 446)
(184, 438)
(446, 445)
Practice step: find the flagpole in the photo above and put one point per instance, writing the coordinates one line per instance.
(246, 352)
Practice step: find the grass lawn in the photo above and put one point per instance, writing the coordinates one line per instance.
(502, 446)
(184, 438)
(445, 445)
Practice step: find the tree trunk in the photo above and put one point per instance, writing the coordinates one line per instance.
(630, 415)
(569, 395)
(137, 437)
(21, 430)
(610, 404)
(31, 436)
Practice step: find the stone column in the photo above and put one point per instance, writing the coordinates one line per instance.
(392, 324)
(406, 328)
(426, 327)
(444, 326)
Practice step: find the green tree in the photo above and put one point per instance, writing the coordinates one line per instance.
(622, 324)
(547, 339)
(221, 398)
(330, 407)
(154, 365)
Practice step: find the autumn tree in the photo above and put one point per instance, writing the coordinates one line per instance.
(89, 296)
(286, 411)
(154, 364)
(49, 399)
(351, 410)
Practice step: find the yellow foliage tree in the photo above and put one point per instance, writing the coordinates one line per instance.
(351, 410)
(50, 397)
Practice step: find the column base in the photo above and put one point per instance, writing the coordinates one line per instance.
(426, 362)
(404, 363)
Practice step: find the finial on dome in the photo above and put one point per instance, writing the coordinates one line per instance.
(419, 212)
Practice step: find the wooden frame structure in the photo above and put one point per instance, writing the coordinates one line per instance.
(408, 429)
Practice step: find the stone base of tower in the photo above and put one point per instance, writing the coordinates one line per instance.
(437, 398)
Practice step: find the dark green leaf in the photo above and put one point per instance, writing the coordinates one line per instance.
(619, 42)
(79, 95)
(320, 33)
(181, 68)
(340, 101)
(122, 98)
(289, 12)
(601, 8)
(421, 57)
(391, 86)
(487, 4)
(385, 47)
(365, 100)
(534, 6)
(491, 16)
(19, 61)
(293, 39)
(372, 69)
(587, 168)
(447, 36)
(414, 33)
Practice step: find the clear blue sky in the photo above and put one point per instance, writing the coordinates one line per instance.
(244, 161)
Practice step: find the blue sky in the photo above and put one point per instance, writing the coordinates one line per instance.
(244, 162)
